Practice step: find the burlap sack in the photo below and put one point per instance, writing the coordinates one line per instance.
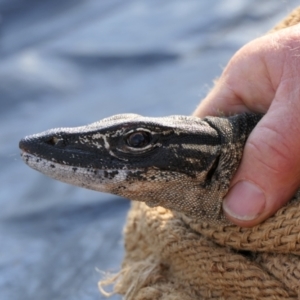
(171, 257)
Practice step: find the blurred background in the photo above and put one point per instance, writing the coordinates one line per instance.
(72, 62)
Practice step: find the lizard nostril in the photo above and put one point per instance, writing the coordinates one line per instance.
(52, 141)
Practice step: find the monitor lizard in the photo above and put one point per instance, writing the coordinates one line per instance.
(182, 163)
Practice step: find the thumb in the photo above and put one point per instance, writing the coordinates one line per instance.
(269, 173)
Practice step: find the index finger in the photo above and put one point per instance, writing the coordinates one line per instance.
(249, 81)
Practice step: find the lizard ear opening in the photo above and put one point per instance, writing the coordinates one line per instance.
(213, 169)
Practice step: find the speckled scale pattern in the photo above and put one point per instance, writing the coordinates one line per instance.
(186, 166)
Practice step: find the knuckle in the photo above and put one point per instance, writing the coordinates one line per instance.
(273, 150)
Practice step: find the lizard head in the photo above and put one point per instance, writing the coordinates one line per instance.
(181, 163)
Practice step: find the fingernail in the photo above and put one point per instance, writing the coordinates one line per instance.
(244, 201)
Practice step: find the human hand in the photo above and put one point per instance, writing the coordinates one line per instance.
(264, 77)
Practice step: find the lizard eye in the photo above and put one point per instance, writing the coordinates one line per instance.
(138, 139)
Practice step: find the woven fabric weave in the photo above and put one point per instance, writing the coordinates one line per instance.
(171, 257)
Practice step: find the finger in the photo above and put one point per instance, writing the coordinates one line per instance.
(269, 174)
(249, 81)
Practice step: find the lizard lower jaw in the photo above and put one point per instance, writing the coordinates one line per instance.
(94, 179)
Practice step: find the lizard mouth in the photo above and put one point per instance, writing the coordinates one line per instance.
(67, 151)
(51, 148)
(94, 179)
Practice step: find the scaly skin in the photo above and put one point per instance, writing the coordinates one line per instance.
(181, 163)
